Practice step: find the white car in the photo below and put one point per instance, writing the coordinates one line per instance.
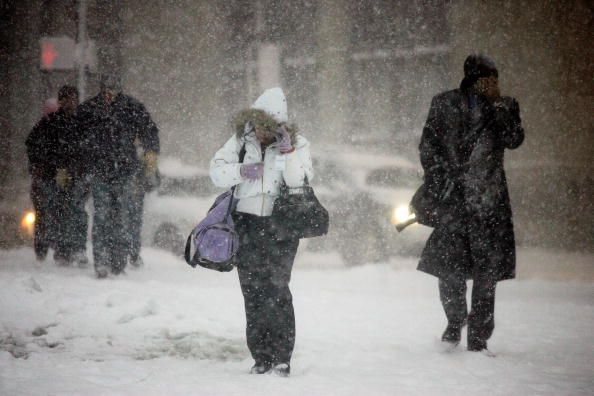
(367, 193)
(181, 201)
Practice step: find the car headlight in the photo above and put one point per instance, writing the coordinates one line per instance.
(401, 213)
(28, 222)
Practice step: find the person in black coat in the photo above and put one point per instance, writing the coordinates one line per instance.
(71, 227)
(40, 145)
(112, 121)
(462, 150)
(54, 149)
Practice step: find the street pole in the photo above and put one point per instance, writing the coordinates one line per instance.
(82, 42)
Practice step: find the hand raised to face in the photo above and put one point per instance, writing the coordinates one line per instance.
(488, 87)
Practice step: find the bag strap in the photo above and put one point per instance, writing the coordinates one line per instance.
(230, 207)
(187, 251)
(305, 183)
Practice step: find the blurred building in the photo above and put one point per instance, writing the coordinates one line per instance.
(353, 71)
(359, 72)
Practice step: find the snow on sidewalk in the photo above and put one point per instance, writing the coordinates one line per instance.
(371, 330)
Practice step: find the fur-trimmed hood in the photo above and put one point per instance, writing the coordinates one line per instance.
(260, 119)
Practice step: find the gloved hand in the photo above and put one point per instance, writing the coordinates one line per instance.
(63, 178)
(284, 140)
(252, 171)
(150, 163)
(36, 172)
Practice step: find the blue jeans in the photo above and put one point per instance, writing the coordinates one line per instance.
(110, 222)
(135, 207)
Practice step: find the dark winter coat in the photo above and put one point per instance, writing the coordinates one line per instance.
(462, 147)
(110, 131)
(54, 143)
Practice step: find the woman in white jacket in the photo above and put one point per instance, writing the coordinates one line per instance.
(274, 153)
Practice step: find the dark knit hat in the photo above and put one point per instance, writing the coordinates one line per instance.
(475, 67)
(67, 91)
(110, 81)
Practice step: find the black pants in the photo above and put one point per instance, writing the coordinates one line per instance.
(481, 320)
(43, 196)
(73, 219)
(264, 267)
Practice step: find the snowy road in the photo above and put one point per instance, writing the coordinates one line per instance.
(371, 330)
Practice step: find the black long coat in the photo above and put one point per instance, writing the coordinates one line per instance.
(463, 142)
(110, 131)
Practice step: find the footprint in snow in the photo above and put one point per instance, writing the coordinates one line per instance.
(150, 309)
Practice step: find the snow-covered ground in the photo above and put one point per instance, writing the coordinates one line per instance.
(372, 330)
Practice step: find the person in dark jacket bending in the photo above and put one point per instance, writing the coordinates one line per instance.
(462, 150)
(112, 121)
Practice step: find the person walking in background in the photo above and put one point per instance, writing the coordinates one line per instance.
(111, 122)
(40, 149)
(72, 219)
(462, 150)
(272, 153)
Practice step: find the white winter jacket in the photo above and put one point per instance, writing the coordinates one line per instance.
(257, 196)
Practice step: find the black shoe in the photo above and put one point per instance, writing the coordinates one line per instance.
(117, 267)
(477, 345)
(260, 368)
(40, 251)
(81, 260)
(118, 271)
(62, 259)
(101, 271)
(41, 255)
(282, 369)
(452, 334)
(62, 262)
(136, 262)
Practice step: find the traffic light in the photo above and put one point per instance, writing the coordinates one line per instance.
(63, 53)
(57, 53)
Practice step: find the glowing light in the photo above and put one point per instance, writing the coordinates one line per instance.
(28, 222)
(29, 218)
(400, 214)
(48, 54)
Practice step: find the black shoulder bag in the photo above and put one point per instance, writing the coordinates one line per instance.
(297, 213)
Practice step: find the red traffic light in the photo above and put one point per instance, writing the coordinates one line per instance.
(48, 54)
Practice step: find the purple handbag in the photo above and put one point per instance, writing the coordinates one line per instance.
(213, 243)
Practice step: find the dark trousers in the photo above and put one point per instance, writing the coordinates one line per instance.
(43, 195)
(72, 219)
(481, 320)
(110, 241)
(264, 267)
(135, 207)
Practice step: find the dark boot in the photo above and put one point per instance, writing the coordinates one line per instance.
(282, 369)
(261, 368)
(481, 321)
(452, 293)
(101, 271)
(136, 262)
(452, 334)
(476, 345)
